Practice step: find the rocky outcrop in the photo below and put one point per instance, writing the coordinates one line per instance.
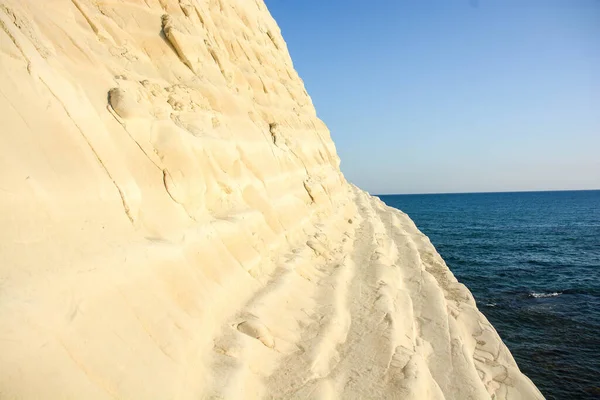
(175, 224)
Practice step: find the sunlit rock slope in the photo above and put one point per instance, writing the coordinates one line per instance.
(174, 224)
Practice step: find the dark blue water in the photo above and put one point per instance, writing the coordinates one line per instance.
(532, 261)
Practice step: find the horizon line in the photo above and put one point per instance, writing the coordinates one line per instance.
(490, 192)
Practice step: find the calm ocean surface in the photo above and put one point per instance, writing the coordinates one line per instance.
(532, 261)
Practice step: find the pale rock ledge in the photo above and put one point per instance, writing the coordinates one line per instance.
(175, 224)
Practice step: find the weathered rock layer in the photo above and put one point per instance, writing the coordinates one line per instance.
(175, 224)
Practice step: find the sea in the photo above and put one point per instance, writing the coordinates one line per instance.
(532, 262)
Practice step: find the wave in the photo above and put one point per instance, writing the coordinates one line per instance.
(543, 295)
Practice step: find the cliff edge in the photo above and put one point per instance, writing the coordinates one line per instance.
(175, 224)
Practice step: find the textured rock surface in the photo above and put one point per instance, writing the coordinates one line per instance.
(175, 224)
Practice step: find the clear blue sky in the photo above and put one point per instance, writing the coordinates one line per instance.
(453, 96)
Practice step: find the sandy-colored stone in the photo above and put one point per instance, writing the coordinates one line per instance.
(174, 224)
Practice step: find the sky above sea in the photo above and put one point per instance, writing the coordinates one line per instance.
(453, 96)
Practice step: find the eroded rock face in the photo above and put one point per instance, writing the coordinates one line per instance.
(175, 224)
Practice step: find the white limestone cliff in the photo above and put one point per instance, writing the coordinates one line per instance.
(174, 224)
